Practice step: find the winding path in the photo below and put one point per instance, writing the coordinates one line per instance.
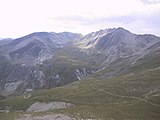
(122, 96)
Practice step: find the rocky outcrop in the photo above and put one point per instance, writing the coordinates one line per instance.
(38, 107)
(82, 72)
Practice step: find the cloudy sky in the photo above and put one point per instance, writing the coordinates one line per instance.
(21, 17)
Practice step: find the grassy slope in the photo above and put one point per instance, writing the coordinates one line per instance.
(91, 102)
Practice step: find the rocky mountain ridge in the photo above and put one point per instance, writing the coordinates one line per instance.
(45, 60)
(116, 44)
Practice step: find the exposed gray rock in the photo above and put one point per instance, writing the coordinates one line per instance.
(81, 73)
(12, 86)
(38, 106)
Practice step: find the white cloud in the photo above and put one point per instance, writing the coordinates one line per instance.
(150, 1)
(20, 17)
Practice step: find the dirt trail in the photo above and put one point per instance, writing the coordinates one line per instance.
(122, 96)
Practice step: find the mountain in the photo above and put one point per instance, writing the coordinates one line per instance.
(111, 74)
(5, 41)
(36, 47)
(119, 46)
(41, 60)
(45, 60)
(21, 60)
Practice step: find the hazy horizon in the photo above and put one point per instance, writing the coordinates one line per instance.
(19, 18)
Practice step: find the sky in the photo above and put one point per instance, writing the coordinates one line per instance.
(21, 17)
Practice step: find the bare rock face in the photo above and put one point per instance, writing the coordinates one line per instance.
(82, 72)
(38, 106)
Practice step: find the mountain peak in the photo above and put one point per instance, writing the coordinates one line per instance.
(121, 29)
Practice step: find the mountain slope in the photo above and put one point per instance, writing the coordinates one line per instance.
(132, 96)
(119, 44)
(45, 60)
(36, 47)
(21, 61)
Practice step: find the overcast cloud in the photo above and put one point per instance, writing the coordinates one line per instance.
(21, 17)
